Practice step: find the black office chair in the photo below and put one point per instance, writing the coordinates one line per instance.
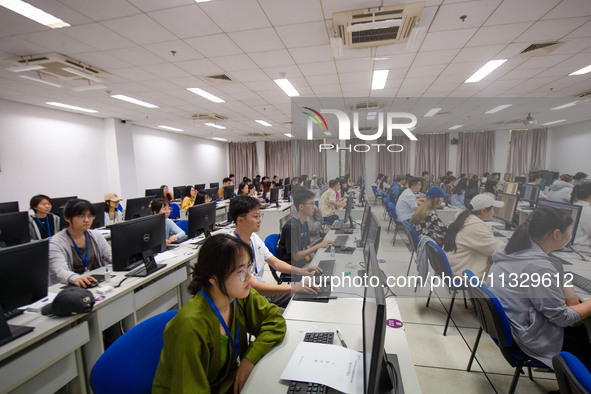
(572, 376)
(411, 241)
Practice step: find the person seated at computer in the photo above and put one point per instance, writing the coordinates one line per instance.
(425, 219)
(473, 188)
(202, 198)
(485, 177)
(242, 189)
(76, 249)
(408, 202)
(206, 345)
(491, 188)
(42, 224)
(344, 185)
(252, 191)
(384, 186)
(275, 181)
(379, 179)
(294, 182)
(469, 242)
(246, 180)
(561, 189)
(328, 203)
(225, 183)
(426, 183)
(172, 231)
(395, 188)
(266, 187)
(112, 214)
(314, 182)
(581, 195)
(166, 193)
(188, 197)
(232, 179)
(579, 178)
(544, 318)
(448, 185)
(458, 194)
(294, 243)
(535, 179)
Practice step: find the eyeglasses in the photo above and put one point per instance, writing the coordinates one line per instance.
(248, 270)
(89, 217)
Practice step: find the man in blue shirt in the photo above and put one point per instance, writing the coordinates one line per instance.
(395, 188)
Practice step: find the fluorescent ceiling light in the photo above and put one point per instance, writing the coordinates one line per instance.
(20, 69)
(432, 112)
(497, 109)
(582, 71)
(73, 107)
(40, 80)
(133, 101)
(201, 1)
(288, 135)
(263, 123)
(82, 74)
(379, 79)
(206, 95)
(33, 13)
(169, 128)
(566, 105)
(88, 87)
(554, 122)
(217, 126)
(287, 87)
(485, 70)
(456, 126)
(364, 26)
(219, 139)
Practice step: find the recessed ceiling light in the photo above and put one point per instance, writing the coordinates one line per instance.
(432, 112)
(566, 105)
(219, 139)
(489, 67)
(206, 95)
(73, 107)
(288, 135)
(379, 79)
(217, 126)
(169, 128)
(20, 69)
(582, 71)
(262, 122)
(40, 80)
(456, 126)
(33, 13)
(81, 74)
(133, 101)
(497, 109)
(554, 122)
(201, 1)
(287, 87)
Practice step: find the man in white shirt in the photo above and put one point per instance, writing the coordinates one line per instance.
(408, 202)
(328, 203)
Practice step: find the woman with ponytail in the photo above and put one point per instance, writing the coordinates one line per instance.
(581, 195)
(530, 285)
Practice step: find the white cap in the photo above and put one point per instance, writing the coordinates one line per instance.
(482, 201)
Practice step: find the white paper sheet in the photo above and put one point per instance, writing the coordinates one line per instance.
(37, 306)
(194, 240)
(164, 256)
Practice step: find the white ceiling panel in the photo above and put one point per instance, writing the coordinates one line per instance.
(55, 40)
(140, 29)
(569, 9)
(214, 45)
(289, 12)
(136, 56)
(476, 12)
(318, 68)
(249, 75)
(447, 39)
(312, 54)
(234, 62)
(174, 51)
(233, 16)
(96, 36)
(520, 11)
(134, 74)
(153, 5)
(495, 35)
(102, 10)
(257, 40)
(303, 34)
(272, 58)
(478, 53)
(61, 11)
(435, 57)
(166, 70)
(18, 47)
(185, 22)
(548, 30)
(200, 67)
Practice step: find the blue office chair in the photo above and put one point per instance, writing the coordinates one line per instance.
(128, 366)
(376, 195)
(572, 376)
(271, 243)
(494, 321)
(175, 211)
(184, 225)
(411, 242)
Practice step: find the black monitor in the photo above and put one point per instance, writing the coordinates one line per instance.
(24, 272)
(257, 186)
(530, 193)
(274, 196)
(99, 211)
(348, 208)
(14, 229)
(213, 193)
(372, 234)
(507, 211)
(201, 219)
(287, 192)
(228, 192)
(573, 210)
(280, 183)
(520, 179)
(511, 188)
(308, 183)
(214, 185)
(287, 181)
(159, 193)
(365, 219)
(58, 205)
(8, 207)
(138, 207)
(137, 241)
(200, 186)
(178, 192)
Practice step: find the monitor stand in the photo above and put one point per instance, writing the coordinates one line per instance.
(9, 332)
(149, 267)
(391, 378)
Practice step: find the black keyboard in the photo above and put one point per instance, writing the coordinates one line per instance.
(327, 266)
(17, 312)
(336, 225)
(581, 282)
(308, 387)
(340, 240)
(322, 293)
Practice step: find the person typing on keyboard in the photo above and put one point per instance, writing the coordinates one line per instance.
(248, 218)
(543, 312)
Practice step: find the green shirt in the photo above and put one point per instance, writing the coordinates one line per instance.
(190, 361)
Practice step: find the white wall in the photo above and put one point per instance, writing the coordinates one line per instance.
(501, 151)
(569, 148)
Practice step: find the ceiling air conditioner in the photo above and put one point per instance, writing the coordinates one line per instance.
(208, 117)
(59, 66)
(371, 27)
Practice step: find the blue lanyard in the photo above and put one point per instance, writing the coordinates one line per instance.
(85, 258)
(41, 224)
(215, 309)
(305, 225)
(256, 270)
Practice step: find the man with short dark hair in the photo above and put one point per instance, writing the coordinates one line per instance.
(395, 188)
(232, 178)
(275, 181)
(426, 183)
(328, 203)
(407, 202)
(225, 182)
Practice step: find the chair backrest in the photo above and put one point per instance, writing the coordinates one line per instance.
(571, 374)
(175, 211)
(438, 260)
(129, 364)
(411, 235)
(374, 189)
(184, 225)
(271, 243)
(391, 209)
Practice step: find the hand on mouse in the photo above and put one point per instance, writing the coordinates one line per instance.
(86, 281)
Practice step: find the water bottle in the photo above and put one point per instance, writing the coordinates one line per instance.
(331, 250)
(107, 276)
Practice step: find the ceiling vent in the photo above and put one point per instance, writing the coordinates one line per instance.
(218, 79)
(208, 117)
(257, 134)
(367, 106)
(509, 122)
(60, 66)
(584, 95)
(540, 49)
(372, 27)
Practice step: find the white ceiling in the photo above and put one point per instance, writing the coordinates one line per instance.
(255, 41)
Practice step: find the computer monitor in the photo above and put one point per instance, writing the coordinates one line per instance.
(201, 219)
(58, 205)
(530, 193)
(348, 208)
(200, 186)
(520, 179)
(280, 183)
(511, 188)
(99, 211)
(287, 192)
(378, 374)
(257, 186)
(373, 231)
(14, 229)
(507, 211)
(159, 193)
(178, 192)
(137, 241)
(308, 183)
(274, 196)
(287, 181)
(214, 184)
(137, 207)
(8, 207)
(365, 219)
(573, 210)
(24, 272)
(213, 193)
(228, 192)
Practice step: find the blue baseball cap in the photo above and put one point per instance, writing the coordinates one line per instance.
(436, 191)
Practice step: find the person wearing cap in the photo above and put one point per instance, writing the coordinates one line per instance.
(425, 219)
(112, 215)
(469, 242)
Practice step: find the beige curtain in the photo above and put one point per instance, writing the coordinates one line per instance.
(476, 151)
(432, 151)
(307, 159)
(527, 151)
(278, 158)
(243, 159)
(392, 163)
(355, 161)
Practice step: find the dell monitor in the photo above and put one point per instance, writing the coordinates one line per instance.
(228, 192)
(530, 193)
(287, 192)
(365, 219)
(511, 188)
(14, 229)
(201, 219)
(506, 212)
(348, 208)
(573, 210)
(372, 234)
(159, 193)
(200, 186)
(214, 185)
(213, 193)
(137, 241)
(138, 207)
(24, 272)
(178, 192)
(58, 205)
(8, 207)
(99, 211)
(274, 196)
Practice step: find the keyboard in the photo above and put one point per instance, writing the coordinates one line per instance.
(340, 240)
(327, 266)
(224, 224)
(308, 387)
(344, 230)
(17, 312)
(581, 282)
(322, 293)
(336, 225)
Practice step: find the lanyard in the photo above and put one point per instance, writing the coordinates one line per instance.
(41, 224)
(305, 225)
(256, 270)
(223, 323)
(85, 258)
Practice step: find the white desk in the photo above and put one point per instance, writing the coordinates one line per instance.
(448, 214)
(272, 218)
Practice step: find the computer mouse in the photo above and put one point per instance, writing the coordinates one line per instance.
(92, 284)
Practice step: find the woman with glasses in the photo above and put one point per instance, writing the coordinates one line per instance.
(76, 249)
(206, 346)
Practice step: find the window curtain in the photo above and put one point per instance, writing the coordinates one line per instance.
(355, 161)
(432, 151)
(527, 151)
(306, 158)
(278, 158)
(393, 163)
(243, 159)
(476, 151)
